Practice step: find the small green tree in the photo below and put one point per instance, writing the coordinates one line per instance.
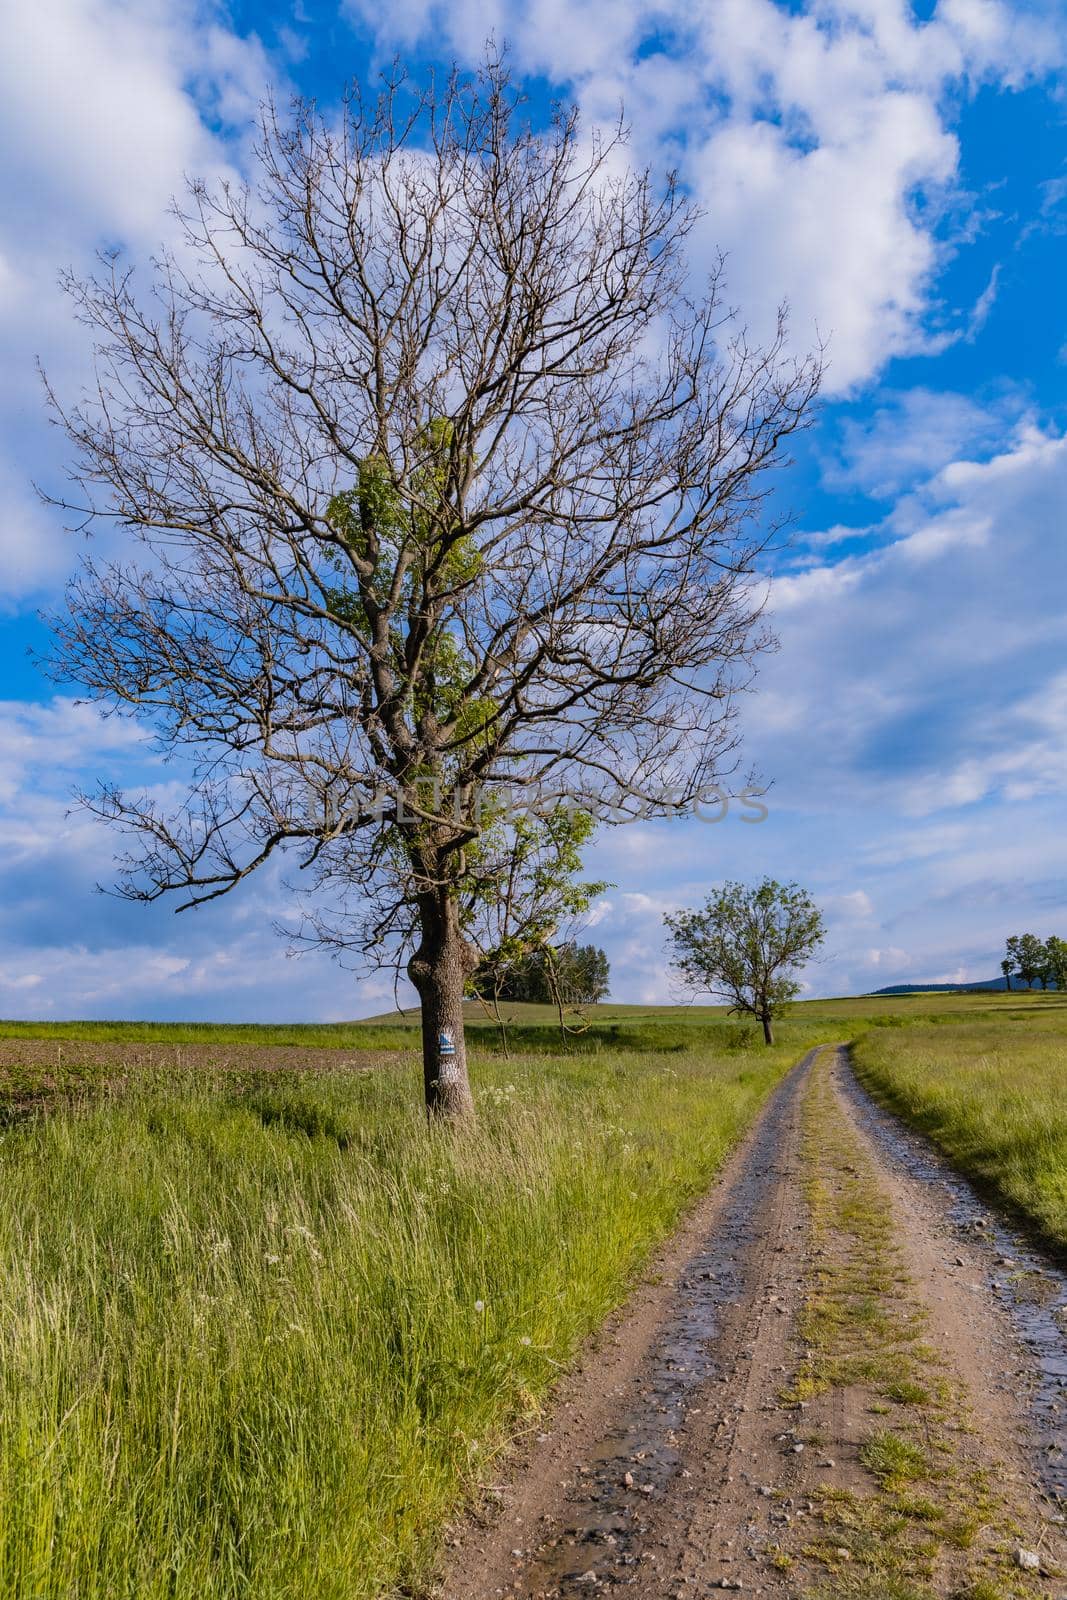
(524, 981)
(746, 943)
(1010, 965)
(1056, 961)
(524, 888)
(1030, 958)
(586, 973)
(580, 974)
(568, 979)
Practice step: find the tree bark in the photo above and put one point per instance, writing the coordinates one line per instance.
(768, 1030)
(439, 969)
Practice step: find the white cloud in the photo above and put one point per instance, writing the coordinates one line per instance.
(853, 906)
(891, 960)
(104, 103)
(806, 134)
(104, 108)
(33, 558)
(911, 435)
(984, 305)
(68, 951)
(48, 743)
(915, 670)
(137, 980)
(914, 727)
(829, 229)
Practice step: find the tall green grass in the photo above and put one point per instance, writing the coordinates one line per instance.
(260, 1339)
(992, 1096)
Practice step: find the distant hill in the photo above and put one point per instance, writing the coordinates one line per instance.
(953, 988)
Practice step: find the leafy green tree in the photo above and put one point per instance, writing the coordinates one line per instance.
(573, 978)
(586, 973)
(1056, 962)
(446, 482)
(524, 982)
(527, 889)
(1010, 965)
(1031, 958)
(577, 974)
(745, 944)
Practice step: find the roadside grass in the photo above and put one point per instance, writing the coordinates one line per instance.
(263, 1335)
(930, 1522)
(991, 1096)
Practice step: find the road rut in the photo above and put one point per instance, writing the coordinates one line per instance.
(807, 1396)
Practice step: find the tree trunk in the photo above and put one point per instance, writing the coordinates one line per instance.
(501, 1025)
(768, 1031)
(439, 969)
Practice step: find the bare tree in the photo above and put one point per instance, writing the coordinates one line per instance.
(444, 484)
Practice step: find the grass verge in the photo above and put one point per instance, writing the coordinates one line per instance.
(991, 1097)
(261, 1337)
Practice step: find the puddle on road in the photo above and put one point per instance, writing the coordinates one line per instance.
(607, 1517)
(1032, 1289)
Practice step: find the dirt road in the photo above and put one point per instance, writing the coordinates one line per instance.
(828, 1385)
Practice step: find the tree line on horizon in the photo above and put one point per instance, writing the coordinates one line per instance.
(1033, 960)
(577, 974)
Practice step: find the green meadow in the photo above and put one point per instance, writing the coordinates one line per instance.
(991, 1093)
(264, 1332)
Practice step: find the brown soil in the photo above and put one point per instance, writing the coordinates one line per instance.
(124, 1055)
(40, 1074)
(673, 1463)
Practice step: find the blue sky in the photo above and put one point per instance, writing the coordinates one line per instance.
(899, 174)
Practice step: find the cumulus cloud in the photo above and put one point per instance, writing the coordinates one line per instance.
(914, 726)
(807, 133)
(45, 744)
(911, 668)
(905, 438)
(104, 108)
(33, 557)
(97, 97)
(133, 979)
(915, 722)
(67, 950)
(914, 729)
